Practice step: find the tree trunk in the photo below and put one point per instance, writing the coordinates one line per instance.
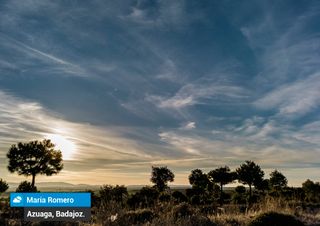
(221, 194)
(33, 180)
(250, 191)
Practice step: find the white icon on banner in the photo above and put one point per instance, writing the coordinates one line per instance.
(17, 199)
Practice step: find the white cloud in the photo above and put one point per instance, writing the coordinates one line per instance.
(189, 126)
(290, 64)
(167, 12)
(192, 94)
(54, 63)
(295, 99)
(25, 120)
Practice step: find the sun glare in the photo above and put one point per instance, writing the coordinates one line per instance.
(66, 146)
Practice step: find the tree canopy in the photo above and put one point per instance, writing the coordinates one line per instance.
(33, 158)
(3, 186)
(198, 179)
(250, 173)
(160, 176)
(222, 176)
(277, 180)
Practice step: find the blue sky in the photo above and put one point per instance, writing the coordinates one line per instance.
(187, 84)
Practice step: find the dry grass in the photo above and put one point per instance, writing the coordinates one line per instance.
(166, 215)
(232, 216)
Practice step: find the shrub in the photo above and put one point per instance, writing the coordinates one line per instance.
(239, 198)
(55, 223)
(135, 217)
(182, 210)
(134, 201)
(195, 200)
(208, 209)
(3, 186)
(179, 197)
(164, 197)
(240, 189)
(195, 220)
(26, 186)
(275, 219)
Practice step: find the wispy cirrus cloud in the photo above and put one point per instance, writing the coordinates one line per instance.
(32, 55)
(289, 60)
(25, 120)
(294, 99)
(192, 94)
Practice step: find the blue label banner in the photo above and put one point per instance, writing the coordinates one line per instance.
(54, 199)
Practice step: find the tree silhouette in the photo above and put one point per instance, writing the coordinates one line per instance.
(3, 186)
(119, 193)
(222, 176)
(179, 197)
(278, 180)
(312, 190)
(198, 179)
(251, 174)
(202, 188)
(26, 186)
(35, 157)
(238, 196)
(148, 196)
(263, 185)
(110, 193)
(160, 176)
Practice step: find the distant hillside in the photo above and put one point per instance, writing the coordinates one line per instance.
(64, 186)
(58, 186)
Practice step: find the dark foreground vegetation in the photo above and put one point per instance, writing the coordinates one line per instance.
(262, 202)
(267, 202)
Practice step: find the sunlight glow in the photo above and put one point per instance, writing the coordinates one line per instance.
(66, 146)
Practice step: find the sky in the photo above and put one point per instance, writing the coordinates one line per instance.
(121, 86)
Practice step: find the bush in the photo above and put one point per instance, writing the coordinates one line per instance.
(275, 219)
(3, 186)
(195, 221)
(164, 197)
(182, 210)
(240, 189)
(208, 209)
(26, 186)
(179, 197)
(144, 198)
(135, 217)
(239, 198)
(134, 201)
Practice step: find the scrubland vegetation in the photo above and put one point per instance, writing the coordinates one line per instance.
(267, 202)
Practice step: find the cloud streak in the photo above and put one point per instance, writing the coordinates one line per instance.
(32, 53)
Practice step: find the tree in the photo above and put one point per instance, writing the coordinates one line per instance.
(148, 196)
(251, 174)
(120, 193)
(222, 176)
(33, 158)
(278, 180)
(160, 176)
(198, 179)
(239, 196)
(312, 190)
(263, 185)
(3, 186)
(202, 188)
(110, 193)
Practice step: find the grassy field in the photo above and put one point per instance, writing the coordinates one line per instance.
(170, 212)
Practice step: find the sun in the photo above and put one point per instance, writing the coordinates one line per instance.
(66, 146)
